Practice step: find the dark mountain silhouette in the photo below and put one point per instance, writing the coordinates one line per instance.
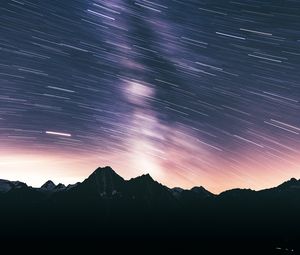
(102, 183)
(105, 205)
(48, 185)
(6, 185)
(105, 181)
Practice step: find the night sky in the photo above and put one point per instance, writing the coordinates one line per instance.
(193, 92)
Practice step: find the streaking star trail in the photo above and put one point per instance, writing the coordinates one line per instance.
(192, 92)
(57, 133)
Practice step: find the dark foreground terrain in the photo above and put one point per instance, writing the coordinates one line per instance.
(105, 208)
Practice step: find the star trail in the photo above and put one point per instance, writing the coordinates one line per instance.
(193, 92)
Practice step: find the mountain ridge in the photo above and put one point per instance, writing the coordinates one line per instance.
(107, 206)
(108, 171)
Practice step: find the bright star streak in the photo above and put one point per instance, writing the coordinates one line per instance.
(57, 133)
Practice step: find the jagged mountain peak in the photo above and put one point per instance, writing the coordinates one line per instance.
(201, 190)
(104, 169)
(144, 177)
(49, 185)
(292, 183)
(60, 186)
(6, 185)
(145, 187)
(105, 181)
(198, 189)
(104, 172)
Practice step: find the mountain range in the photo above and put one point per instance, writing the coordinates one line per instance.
(105, 205)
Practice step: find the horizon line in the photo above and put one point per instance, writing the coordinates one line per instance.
(100, 168)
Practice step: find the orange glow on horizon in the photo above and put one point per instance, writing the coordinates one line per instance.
(35, 168)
